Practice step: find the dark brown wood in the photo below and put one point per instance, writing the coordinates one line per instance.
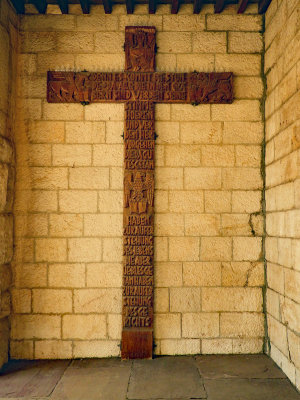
(107, 6)
(139, 87)
(85, 6)
(242, 6)
(64, 6)
(175, 6)
(263, 6)
(152, 6)
(40, 5)
(19, 6)
(219, 6)
(197, 6)
(129, 6)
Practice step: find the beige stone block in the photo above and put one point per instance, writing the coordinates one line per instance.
(278, 334)
(50, 249)
(200, 132)
(242, 325)
(75, 42)
(185, 300)
(78, 201)
(247, 346)
(236, 225)
(246, 201)
(85, 132)
(202, 224)
(3, 186)
(217, 156)
(247, 249)
(89, 178)
(232, 299)
(165, 62)
(296, 254)
(285, 252)
(21, 301)
(66, 275)
(248, 156)
(162, 301)
(241, 22)
(289, 312)
(84, 327)
(40, 200)
(186, 201)
(23, 252)
(27, 63)
(180, 346)
(185, 23)
(240, 110)
(72, 155)
(174, 42)
(32, 109)
(109, 42)
(217, 201)
(95, 62)
(46, 132)
(49, 178)
(103, 225)
(21, 349)
(36, 327)
(245, 42)
(30, 275)
(169, 225)
(161, 201)
(274, 306)
(242, 274)
(215, 249)
(111, 201)
(201, 274)
(97, 300)
(62, 112)
(140, 20)
(34, 42)
(96, 23)
(292, 284)
(66, 225)
(104, 112)
(98, 349)
(48, 61)
(161, 249)
(84, 250)
(167, 326)
(108, 155)
(243, 132)
(294, 348)
(162, 111)
(159, 155)
(200, 325)
(36, 155)
(47, 23)
(248, 87)
(202, 178)
(32, 86)
(168, 274)
(182, 155)
(112, 249)
(104, 275)
(209, 42)
(216, 346)
(184, 248)
(271, 249)
(113, 132)
(242, 178)
(53, 349)
(169, 178)
(114, 326)
(195, 62)
(184, 112)
(47, 301)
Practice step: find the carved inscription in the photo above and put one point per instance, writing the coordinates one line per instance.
(139, 87)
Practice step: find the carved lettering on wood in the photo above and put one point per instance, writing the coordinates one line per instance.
(139, 87)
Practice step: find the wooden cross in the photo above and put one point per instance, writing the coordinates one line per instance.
(139, 87)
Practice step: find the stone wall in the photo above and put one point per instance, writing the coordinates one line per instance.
(8, 51)
(282, 66)
(209, 270)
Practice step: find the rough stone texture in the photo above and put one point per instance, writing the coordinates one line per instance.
(8, 58)
(282, 38)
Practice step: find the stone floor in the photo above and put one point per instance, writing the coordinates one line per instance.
(183, 378)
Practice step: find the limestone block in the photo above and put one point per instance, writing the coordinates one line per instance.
(242, 325)
(202, 224)
(89, 178)
(67, 275)
(169, 178)
(35, 327)
(30, 275)
(242, 178)
(162, 301)
(290, 313)
(241, 22)
(169, 225)
(217, 201)
(216, 346)
(40, 200)
(246, 201)
(245, 42)
(236, 225)
(3, 186)
(6, 151)
(247, 249)
(47, 301)
(53, 349)
(167, 326)
(27, 63)
(103, 225)
(6, 276)
(85, 132)
(273, 304)
(200, 325)
(285, 252)
(184, 112)
(165, 62)
(201, 274)
(232, 299)
(168, 274)
(114, 328)
(84, 250)
(108, 154)
(202, 178)
(292, 284)
(49, 178)
(247, 346)
(112, 249)
(66, 225)
(248, 87)
(104, 112)
(46, 132)
(6, 238)
(248, 156)
(72, 155)
(217, 156)
(240, 110)
(97, 300)
(35, 155)
(99, 62)
(35, 42)
(109, 42)
(186, 201)
(239, 64)
(75, 42)
(84, 327)
(112, 201)
(209, 42)
(200, 132)
(104, 275)
(216, 249)
(49, 61)
(99, 348)
(62, 112)
(21, 301)
(21, 349)
(51, 250)
(181, 346)
(278, 334)
(185, 300)
(78, 201)
(192, 62)
(243, 132)
(183, 155)
(113, 131)
(184, 248)
(185, 23)
(47, 23)
(242, 274)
